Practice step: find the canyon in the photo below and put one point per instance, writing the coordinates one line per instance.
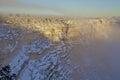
(60, 48)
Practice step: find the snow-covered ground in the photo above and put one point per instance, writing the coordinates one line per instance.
(50, 67)
(20, 59)
(54, 65)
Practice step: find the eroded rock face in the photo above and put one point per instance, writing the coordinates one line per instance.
(76, 29)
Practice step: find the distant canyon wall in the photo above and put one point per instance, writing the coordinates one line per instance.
(64, 29)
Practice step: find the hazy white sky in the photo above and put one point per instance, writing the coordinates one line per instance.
(62, 7)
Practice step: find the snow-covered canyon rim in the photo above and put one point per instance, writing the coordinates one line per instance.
(60, 48)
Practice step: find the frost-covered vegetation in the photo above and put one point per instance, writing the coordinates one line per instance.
(5, 73)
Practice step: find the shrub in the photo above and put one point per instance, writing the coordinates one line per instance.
(5, 73)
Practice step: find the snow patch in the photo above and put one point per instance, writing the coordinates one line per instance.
(38, 46)
(18, 61)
